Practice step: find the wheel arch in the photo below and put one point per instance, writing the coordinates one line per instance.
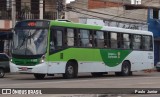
(74, 63)
(128, 62)
(130, 67)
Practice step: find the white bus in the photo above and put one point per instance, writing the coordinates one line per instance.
(44, 47)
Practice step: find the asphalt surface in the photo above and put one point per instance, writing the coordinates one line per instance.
(138, 80)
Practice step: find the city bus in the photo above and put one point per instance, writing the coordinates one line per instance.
(49, 47)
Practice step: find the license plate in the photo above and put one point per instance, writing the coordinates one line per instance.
(24, 68)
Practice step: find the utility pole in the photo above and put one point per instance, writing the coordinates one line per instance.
(59, 7)
(13, 13)
(57, 4)
(65, 11)
(41, 9)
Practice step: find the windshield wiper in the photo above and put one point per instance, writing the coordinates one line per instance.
(23, 41)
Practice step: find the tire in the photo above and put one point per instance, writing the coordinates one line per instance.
(39, 76)
(2, 73)
(98, 74)
(126, 69)
(71, 70)
(158, 70)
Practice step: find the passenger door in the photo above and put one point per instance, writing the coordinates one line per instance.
(56, 45)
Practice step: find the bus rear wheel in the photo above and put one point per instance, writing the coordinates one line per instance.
(39, 76)
(125, 70)
(71, 70)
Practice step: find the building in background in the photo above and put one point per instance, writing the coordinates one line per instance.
(111, 10)
(144, 15)
(5, 40)
(154, 26)
(25, 9)
(119, 13)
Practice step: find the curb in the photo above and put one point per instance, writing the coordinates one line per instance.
(150, 70)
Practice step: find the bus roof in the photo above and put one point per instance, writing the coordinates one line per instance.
(96, 27)
(67, 23)
(132, 31)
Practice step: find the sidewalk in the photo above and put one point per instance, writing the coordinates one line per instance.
(150, 70)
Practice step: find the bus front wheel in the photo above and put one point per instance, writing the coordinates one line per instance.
(39, 76)
(2, 73)
(71, 70)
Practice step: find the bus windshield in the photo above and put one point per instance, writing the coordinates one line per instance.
(30, 41)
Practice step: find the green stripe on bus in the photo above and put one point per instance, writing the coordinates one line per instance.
(75, 25)
(110, 57)
(79, 54)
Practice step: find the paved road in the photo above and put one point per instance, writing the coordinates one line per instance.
(138, 80)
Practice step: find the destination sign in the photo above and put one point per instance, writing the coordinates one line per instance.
(33, 24)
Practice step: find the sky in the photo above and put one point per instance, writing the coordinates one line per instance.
(68, 1)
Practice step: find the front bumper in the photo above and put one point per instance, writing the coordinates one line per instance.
(39, 68)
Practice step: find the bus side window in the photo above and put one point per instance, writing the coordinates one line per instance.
(151, 43)
(126, 41)
(79, 43)
(100, 39)
(91, 42)
(55, 39)
(131, 41)
(84, 35)
(119, 41)
(146, 40)
(137, 42)
(95, 39)
(70, 37)
(106, 43)
(59, 37)
(114, 43)
(109, 40)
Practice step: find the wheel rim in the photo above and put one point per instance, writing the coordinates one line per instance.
(70, 69)
(1, 73)
(125, 69)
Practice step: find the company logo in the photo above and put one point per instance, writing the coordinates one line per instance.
(114, 55)
(136, 2)
(21, 91)
(6, 91)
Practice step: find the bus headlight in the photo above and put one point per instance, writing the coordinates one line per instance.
(42, 59)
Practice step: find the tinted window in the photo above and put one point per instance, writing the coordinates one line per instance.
(147, 42)
(70, 37)
(137, 42)
(100, 38)
(114, 40)
(4, 57)
(126, 41)
(84, 38)
(56, 39)
(59, 38)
